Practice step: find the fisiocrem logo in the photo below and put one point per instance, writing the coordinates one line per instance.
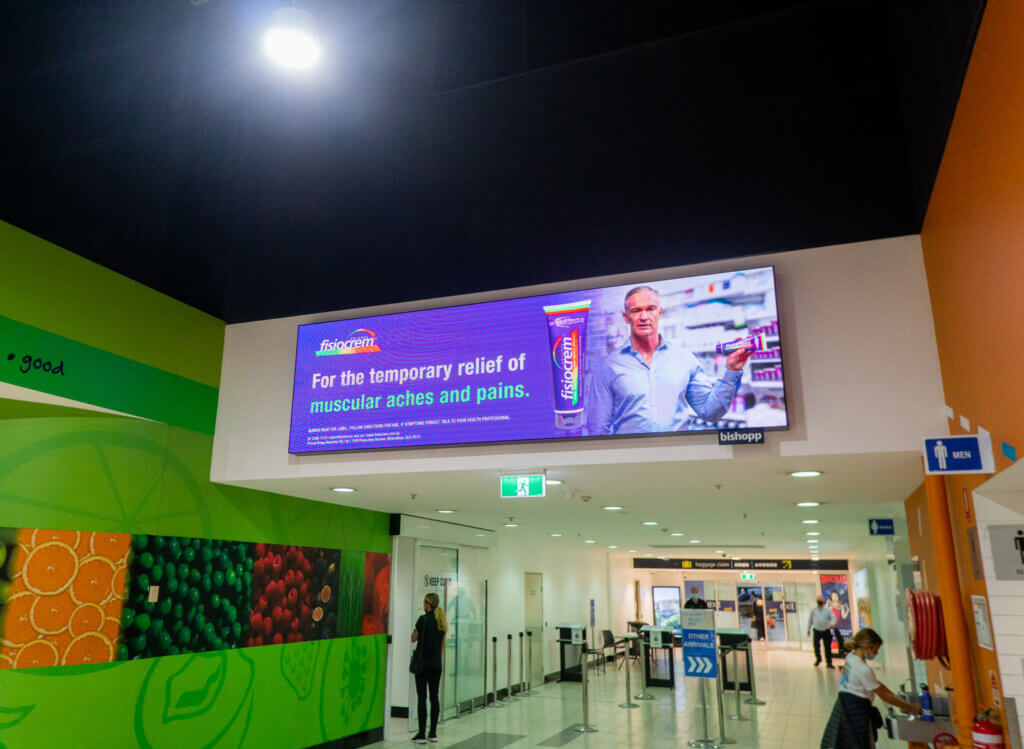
(361, 341)
(566, 353)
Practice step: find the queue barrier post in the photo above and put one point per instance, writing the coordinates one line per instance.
(644, 694)
(522, 682)
(585, 726)
(719, 689)
(494, 678)
(508, 672)
(529, 662)
(738, 715)
(628, 704)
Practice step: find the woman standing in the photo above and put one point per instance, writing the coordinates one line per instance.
(854, 722)
(429, 638)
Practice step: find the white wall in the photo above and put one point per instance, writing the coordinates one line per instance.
(571, 578)
(1005, 598)
(856, 322)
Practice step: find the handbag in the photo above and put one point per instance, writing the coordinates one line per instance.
(416, 661)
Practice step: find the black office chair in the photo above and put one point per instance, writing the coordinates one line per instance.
(617, 646)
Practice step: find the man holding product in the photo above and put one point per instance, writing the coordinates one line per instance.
(646, 385)
(821, 623)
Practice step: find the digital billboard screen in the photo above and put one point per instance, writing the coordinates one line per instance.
(692, 354)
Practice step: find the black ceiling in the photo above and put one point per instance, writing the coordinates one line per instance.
(450, 147)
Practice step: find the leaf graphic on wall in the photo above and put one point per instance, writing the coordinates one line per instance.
(192, 690)
(12, 716)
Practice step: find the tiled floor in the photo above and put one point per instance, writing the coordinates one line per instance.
(798, 696)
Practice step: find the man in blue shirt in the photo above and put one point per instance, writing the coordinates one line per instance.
(645, 385)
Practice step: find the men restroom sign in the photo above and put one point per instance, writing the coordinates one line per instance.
(530, 486)
(966, 454)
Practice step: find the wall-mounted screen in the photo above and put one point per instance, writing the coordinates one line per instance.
(666, 606)
(680, 355)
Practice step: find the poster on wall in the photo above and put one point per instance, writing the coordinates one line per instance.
(566, 365)
(835, 590)
(78, 597)
(860, 590)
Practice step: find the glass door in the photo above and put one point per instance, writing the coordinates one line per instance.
(434, 568)
(775, 618)
(750, 606)
(800, 599)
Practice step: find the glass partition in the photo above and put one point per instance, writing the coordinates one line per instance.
(434, 568)
(467, 615)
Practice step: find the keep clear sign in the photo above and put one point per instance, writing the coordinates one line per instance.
(699, 649)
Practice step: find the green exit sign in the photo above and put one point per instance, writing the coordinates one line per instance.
(747, 576)
(522, 486)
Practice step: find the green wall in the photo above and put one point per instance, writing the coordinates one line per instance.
(103, 473)
(67, 468)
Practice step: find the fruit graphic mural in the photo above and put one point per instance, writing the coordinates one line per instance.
(376, 593)
(60, 596)
(294, 594)
(185, 595)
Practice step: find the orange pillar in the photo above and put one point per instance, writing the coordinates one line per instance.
(964, 701)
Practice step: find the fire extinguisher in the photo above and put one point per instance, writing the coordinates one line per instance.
(986, 733)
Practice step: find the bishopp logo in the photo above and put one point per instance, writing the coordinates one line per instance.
(361, 341)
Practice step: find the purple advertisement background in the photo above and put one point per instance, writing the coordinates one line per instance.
(514, 400)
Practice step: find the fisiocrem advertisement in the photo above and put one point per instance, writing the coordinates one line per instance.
(680, 355)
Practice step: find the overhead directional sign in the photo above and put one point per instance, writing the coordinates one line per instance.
(522, 486)
(699, 647)
(966, 454)
(881, 527)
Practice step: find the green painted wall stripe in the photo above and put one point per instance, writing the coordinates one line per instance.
(53, 289)
(95, 376)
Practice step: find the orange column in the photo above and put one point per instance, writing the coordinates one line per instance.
(957, 635)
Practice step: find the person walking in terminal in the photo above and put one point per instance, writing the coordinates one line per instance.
(695, 601)
(821, 622)
(854, 721)
(429, 636)
(646, 384)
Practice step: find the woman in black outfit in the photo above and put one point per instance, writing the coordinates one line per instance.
(429, 638)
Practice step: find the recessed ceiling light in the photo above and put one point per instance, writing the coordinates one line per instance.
(590, 541)
(344, 489)
(809, 522)
(675, 534)
(481, 535)
(694, 541)
(553, 482)
(808, 504)
(447, 512)
(511, 525)
(291, 41)
(556, 535)
(813, 533)
(735, 559)
(719, 551)
(632, 551)
(650, 522)
(613, 547)
(613, 508)
(805, 474)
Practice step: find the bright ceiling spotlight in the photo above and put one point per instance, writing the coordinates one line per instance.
(343, 489)
(510, 524)
(805, 474)
(556, 535)
(695, 541)
(553, 482)
(632, 551)
(590, 541)
(650, 522)
(808, 504)
(290, 39)
(809, 522)
(675, 534)
(813, 533)
(612, 508)
(613, 547)
(446, 512)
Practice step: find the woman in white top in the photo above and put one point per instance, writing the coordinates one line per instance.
(854, 722)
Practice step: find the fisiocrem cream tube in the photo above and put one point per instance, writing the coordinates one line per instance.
(567, 333)
(754, 343)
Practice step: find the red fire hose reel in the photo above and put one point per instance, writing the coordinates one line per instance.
(926, 626)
